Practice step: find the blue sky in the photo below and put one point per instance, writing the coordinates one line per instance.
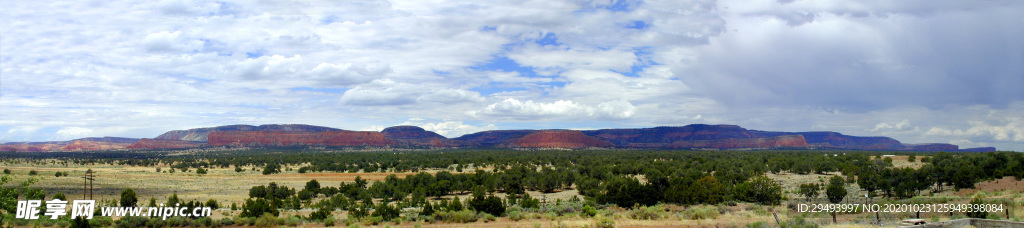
(917, 71)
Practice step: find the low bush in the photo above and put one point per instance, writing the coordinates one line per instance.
(761, 224)
(267, 220)
(798, 222)
(374, 220)
(132, 221)
(648, 213)
(516, 214)
(602, 221)
(330, 221)
(292, 221)
(701, 212)
(464, 216)
(486, 217)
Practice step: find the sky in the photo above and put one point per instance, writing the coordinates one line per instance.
(929, 71)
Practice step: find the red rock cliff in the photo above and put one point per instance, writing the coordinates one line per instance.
(556, 139)
(784, 141)
(145, 144)
(281, 138)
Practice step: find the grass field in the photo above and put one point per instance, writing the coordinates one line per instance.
(227, 187)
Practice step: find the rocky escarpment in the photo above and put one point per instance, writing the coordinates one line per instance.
(493, 138)
(931, 147)
(979, 149)
(32, 146)
(202, 134)
(151, 144)
(668, 135)
(776, 142)
(840, 141)
(696, 136)
(294, 138)
(83, 144)
(413, 136)
(555, 139)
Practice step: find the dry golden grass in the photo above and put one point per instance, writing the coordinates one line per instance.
(227, 186)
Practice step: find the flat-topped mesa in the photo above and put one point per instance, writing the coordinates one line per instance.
(409, 132)
(494, 137)
(202, 134)
(297, 138)
(152, 144)
(979, 149)
(413, 136)
(663, 136)
(695, 136)
(931, 147)
(841, 141)
(556, 139)
(776, 142)
(88, 145)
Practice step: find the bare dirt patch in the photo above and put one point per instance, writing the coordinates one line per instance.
(1010, 184)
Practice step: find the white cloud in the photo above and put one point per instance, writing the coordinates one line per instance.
(905, 123)
(74, 132)
(449, 128)
(169, 42)
(862, 68)
(512, 108)
(551, 61)
(1012, 130)
(449, 96)
(382, 92)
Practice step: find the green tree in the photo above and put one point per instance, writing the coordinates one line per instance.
(708, 190)
(386, 211)
(61, 196)
(256, 208)
(455, 205)
(428, 210)
(810, 190)
(490, 204)
(212, 203)
(977, 203)
(8, 196)
(128, 198)
(320, 214)
(313, 186)
(868, 180)
(835, 191)
(271, 168)
(628, 192)
(759, 189)
(171, 201)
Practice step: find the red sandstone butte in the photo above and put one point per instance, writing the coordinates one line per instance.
(283, 138)
(148, 144)
(783, 141)
(556, 139)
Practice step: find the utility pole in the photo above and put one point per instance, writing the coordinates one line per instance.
(87, 186)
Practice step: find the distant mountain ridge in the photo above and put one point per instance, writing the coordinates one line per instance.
(694, 136)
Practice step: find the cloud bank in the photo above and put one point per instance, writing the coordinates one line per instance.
(919, 71)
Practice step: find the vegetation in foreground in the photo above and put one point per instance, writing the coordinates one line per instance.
(612, 185)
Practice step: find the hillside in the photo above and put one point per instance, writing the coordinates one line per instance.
(695, 136)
